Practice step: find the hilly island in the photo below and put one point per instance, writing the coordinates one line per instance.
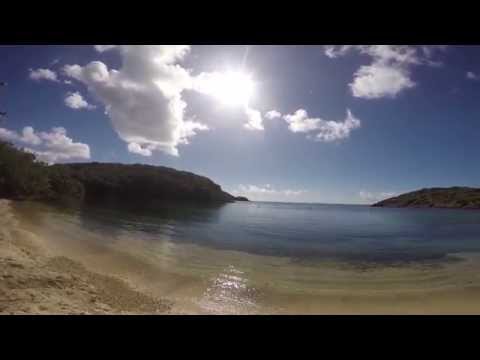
(24, 178)
(452, 197)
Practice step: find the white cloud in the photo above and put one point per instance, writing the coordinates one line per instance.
(137, 149)
(379, 80)
(68, 82)
(375, 197)
(190, 129)
(472, 76)
(43, 74)
(273, 114)
(333, 130)
(267, 193)
(389, 73)
(144, 97)
(76, 101)
(255, 121)
(29, 136)
(300, 122)
(60, 147)
(326, 130)
(50, 146)
(8, 135)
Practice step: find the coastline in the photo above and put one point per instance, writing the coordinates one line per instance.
(35, 281)
(53, 263)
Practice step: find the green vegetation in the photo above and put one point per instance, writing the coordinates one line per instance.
(21, 177)
(143, 184)
(453, 197)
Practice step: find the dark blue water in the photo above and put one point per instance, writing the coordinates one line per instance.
(304, 231)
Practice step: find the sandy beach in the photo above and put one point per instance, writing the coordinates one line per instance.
(32, 281)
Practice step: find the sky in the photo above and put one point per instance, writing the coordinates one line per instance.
(348, 124)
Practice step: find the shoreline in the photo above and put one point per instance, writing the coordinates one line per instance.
(34, 281)
(51, 263)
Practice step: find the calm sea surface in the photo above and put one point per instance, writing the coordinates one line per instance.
(310, 231)
(249, 257)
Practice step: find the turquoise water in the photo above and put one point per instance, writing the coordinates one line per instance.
(306, 231)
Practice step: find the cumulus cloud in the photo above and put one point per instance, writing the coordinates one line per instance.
(375, 196)
(75, 100)
(266, 193)
(472, 76)
(188, 130)
(379, 80)
(326, 130)
(389, 73)
(8, 135)
(273, 114)
(50, 147)
(29, 136)
(43, 74)
(59, 147)
(300, 122)
(144, 97)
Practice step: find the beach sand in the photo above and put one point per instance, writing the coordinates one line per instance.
(32, 281)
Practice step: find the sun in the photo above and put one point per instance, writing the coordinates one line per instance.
(232, 88)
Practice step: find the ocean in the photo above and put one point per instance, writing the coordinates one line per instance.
(261, 257)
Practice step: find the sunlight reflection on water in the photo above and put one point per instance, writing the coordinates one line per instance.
(229, 293)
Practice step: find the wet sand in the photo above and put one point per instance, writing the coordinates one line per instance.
(33, 281)
(51, 263)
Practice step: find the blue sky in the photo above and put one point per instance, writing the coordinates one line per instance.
(352, 124)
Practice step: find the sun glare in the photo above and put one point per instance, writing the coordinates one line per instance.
(232, 88)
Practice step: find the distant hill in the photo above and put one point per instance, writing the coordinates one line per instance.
(104, 182)
(24, 178)
(241, 198)
(453, 197)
